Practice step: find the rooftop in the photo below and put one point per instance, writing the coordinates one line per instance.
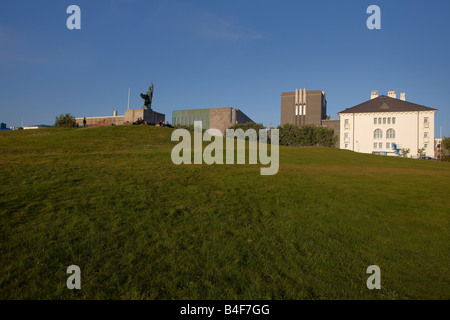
(386, 104)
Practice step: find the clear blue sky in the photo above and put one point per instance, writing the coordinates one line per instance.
(218, 54)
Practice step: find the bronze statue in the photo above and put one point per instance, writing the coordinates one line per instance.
(148, 98)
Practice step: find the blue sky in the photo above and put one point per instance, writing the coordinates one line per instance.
(199, 54)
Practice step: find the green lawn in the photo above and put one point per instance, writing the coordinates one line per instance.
(110, 201)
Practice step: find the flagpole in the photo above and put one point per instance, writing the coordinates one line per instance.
(128, 108)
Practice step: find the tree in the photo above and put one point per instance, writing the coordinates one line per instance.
(446, 143)
(421, 152)
(288, 135)
(65, 121)
(248, 125)
(444, 150)
(405, 151)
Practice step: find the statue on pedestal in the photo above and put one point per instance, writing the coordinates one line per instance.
(148, 97)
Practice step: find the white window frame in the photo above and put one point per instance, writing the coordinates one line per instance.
(390, 133)
(378, 134)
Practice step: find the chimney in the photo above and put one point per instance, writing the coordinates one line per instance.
(392, 94)
(403, 96)
(373, 95)
(115, 113)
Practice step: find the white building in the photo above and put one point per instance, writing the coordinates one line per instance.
(382, 122)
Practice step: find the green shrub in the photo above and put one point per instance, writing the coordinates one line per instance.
(65, 121)
(309, 135)
(248, 125)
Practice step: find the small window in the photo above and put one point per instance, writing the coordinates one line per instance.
(393, 120)
(388, 145)
(346, 145)
(425, 145)
(375, 145)
(389, 120)
(384, 120)
(425, 134)
(425, 120)
(374, 120)
(380, 145)
(379, 120)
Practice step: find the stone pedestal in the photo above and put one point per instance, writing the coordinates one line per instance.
(150, 116)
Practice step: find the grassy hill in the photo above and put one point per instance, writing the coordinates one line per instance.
(110, 201)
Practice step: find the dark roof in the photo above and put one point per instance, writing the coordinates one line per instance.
(386, 104)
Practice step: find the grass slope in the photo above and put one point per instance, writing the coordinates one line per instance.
(110, 201)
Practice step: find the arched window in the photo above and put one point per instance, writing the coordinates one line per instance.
(378, 134)
(390, 134)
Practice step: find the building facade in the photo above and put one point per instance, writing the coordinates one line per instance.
(303, 107)
(212, 118)
(130, 116)
(381, 123)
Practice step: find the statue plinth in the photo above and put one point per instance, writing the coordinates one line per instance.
(147, 115)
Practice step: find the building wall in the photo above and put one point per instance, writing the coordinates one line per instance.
(146, 114)
(288, 109)
(215, 118)
(221, 118)
(117, 120)
(187, 117)
(316, 108)
(336, 126)
(358, 133)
